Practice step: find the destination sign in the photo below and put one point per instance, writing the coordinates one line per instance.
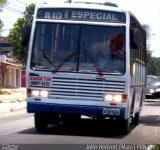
(81, 15)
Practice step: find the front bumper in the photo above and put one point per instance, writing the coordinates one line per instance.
(91, 111)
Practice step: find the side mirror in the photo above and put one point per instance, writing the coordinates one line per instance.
(26, 31)
(134, 38)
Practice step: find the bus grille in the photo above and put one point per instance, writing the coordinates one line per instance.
(84, 89)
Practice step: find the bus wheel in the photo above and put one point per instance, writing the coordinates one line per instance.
(40, 122)
(135, 119)
(124, 126)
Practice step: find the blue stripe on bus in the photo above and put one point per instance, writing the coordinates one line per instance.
(97, 111)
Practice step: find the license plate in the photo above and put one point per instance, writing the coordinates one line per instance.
(111, 111)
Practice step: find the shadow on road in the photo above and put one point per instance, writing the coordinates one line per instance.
(84, 127)
(152, 103)
(151, 117)
(150, 120)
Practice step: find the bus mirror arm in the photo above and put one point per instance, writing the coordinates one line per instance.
(134, 38)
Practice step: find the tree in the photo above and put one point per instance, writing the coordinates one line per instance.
(1, 25)
(156, 147)
(110, 4)
(68, 1)
(146, 28)
(153, 63)
(2, 3)
(151, 68)
(16, 32)
(15, 38)
(150, 63)
(29, 11)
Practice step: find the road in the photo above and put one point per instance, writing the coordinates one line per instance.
(18, 128)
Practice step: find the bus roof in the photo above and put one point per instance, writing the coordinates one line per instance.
(84, 6)
(87, 6)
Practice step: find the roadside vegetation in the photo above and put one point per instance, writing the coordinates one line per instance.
(2, 4)
(156, 147)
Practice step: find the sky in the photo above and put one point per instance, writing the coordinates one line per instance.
(146, 11)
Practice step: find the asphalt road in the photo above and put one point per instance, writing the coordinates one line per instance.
(18, 128)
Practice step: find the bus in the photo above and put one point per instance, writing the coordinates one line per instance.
(85, 60)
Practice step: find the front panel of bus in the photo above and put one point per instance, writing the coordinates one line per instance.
(77, 62)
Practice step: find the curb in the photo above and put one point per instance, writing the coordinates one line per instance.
(152, 100)
(8, 107)
(12, 99)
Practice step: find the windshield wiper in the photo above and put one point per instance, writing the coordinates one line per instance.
(47, 58)
(94, 62)
(64, 61)
(77, 53)
(77, 57)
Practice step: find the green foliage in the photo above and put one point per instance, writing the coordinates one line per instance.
(156, 63)
(15, 38)
(153, 64)
(68, 1)
(110, 4)
(16, 32)
(2, 3)
(146, 28)
(29, 11)
(1, 25)
(156, 147)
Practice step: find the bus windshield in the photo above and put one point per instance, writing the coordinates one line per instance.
(61, 47)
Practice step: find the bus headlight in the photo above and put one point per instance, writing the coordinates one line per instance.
(39, 93)
(115, 98)
(44, 93)
(35, 93)
(108, 98)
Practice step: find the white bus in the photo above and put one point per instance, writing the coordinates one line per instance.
(85, 60)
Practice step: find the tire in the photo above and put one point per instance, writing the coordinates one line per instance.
(135, 119)
(124, 126)
(41, 123)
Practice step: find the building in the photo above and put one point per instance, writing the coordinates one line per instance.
(10, 69)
